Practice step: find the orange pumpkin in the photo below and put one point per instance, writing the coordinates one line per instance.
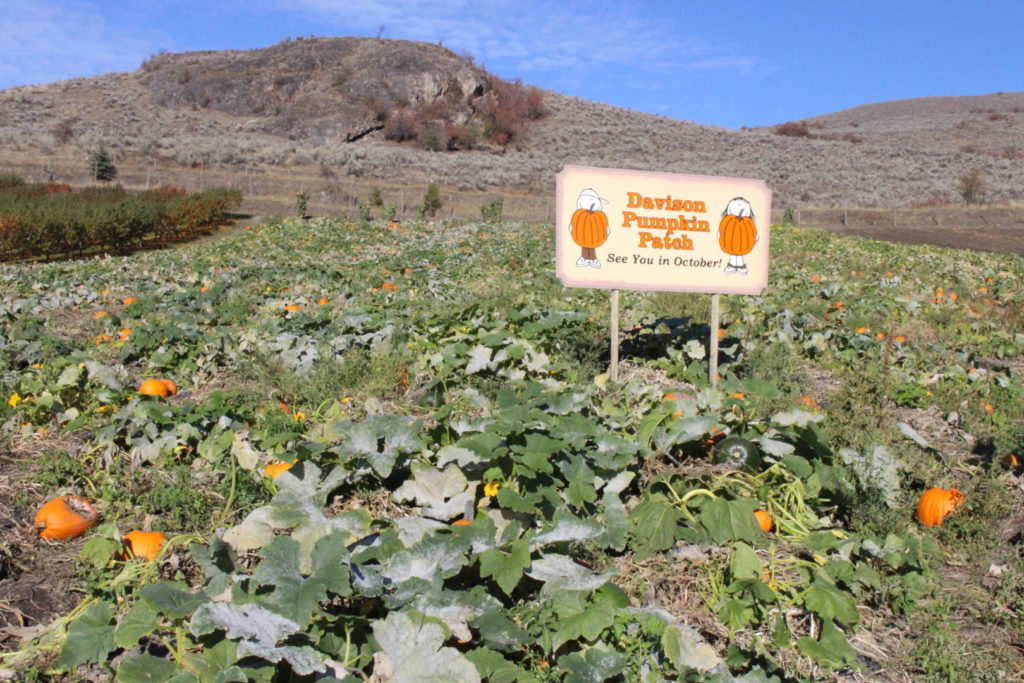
(936, 503)
(128, 300)
(65, 517)
(764, 520)
(276, 469)
(155, 387)
(145, 544)
(172, 388)
(737, 235)
(589, 228)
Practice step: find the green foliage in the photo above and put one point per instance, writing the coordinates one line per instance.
(101, 167)
(491, 211)
(448, 376)
(431, 200)
(43, 219)
(301, 204)
(376, 199)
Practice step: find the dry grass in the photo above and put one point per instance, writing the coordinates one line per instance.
(908, 153)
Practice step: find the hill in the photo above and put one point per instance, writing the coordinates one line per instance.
(314, 114)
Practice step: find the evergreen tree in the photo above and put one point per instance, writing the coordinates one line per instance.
(100, 165)
(432, 200)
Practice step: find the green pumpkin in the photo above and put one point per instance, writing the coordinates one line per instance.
(736, 452)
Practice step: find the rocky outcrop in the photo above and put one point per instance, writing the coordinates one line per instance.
(318, 90)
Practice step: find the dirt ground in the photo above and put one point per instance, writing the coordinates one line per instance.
(992, 238)
(36, 577)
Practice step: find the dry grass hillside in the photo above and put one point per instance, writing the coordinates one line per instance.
(335, 117)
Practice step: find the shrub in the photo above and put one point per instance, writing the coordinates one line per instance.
(9, 181)
(507, 108)
(491, 211)
(793, 129)
(431, 200)
(301, 204)
(42, 219)
(400, 126)
(64, 130)
(973, 186)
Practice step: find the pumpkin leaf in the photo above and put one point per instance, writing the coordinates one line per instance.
(730, 520)
(433, 559)
(296, 594)
(141, 620)
(744, 564)
(259, 631)
(593, 665)
(682, 431)
(877, 470)
(685, 648)
(735, 613)
(463, 457)
(217, 662)
(832, 648)
(479, 359)
(654, 523)
(567, 527)
(170, 600)
(443, 494)
(242, 451)
(414, 647)
(559, 572)
(493, 666)
(830, 603)
(381, 439)
(587, 624)
(146, 668)
(506, 568)
(615, 521)
(90, 638)
(796, 418)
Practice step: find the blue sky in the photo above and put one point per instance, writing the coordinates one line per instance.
(730, 64)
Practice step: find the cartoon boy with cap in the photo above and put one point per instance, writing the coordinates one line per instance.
(589, 227)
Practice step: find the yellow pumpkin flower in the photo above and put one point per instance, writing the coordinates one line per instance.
(300, 417)
(14, 400)
(491, 488)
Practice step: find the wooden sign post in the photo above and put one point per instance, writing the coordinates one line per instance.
(621, 229)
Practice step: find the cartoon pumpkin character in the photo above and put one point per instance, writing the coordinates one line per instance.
(737, 234)
(589, 227)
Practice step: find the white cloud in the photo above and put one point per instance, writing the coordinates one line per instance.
(45, 40)
(573, 36)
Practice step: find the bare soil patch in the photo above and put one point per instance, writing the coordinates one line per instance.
(1003, 239)
(37, 578)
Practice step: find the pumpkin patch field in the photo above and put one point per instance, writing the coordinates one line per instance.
(325, 450)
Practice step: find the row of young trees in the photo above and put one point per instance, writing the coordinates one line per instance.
(48, 219)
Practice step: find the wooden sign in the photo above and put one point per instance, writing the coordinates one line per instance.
(622, 229)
